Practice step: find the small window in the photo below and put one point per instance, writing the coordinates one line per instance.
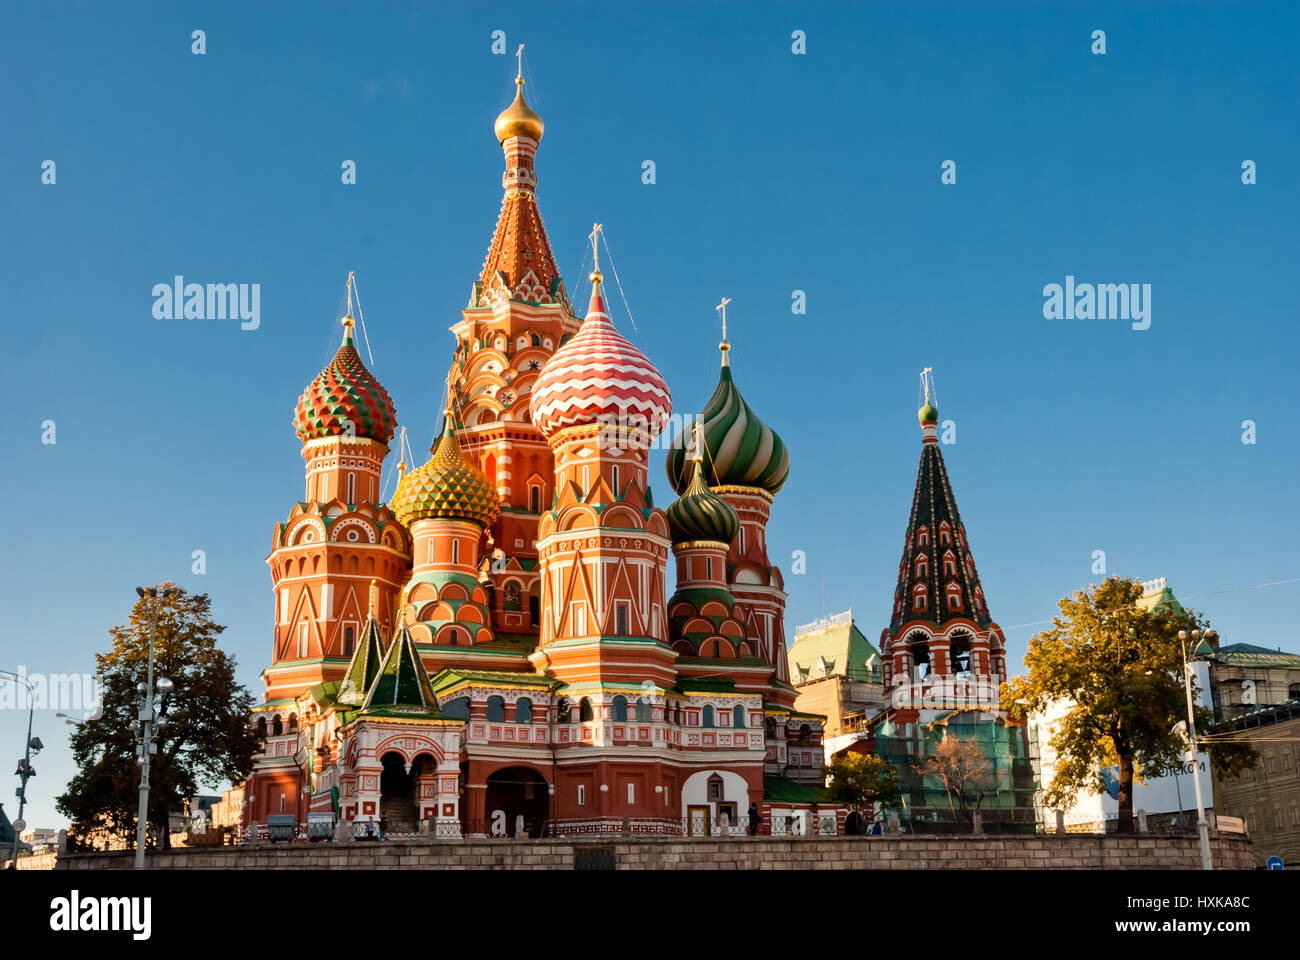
(614, 473)
(352, 488)
(677, 715)
(277, 726)
(621, 617)
(582, 794)
(949, 568)
(919, 602)
(453, 637)
(944, 539)
(535, 498)
(715, 789)
(349, 639)
(564, 711)
(717, 649)
(496, 709)
(805, 736)
(455, 551)
(535, 611)
(922, 569)
(584, 710)
(631, 793)
(742, 539)
(523, 710)
(620, 709)
(643, 714)
(579, 614)
(708, 568)
(707, 717)
(302, 639)
(738, 716)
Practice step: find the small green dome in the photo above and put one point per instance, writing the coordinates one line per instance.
(928, 413)
(700, 514)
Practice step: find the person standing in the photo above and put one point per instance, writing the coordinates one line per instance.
(753, 819)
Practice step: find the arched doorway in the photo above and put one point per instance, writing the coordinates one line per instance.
(514, 792)
(397, 795)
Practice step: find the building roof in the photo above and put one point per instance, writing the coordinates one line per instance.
(364, 667)
(345, 400)
(402, 683)
(456, 676)
(781, 790)
(934, 508)
(1249, 655)
(833, 647)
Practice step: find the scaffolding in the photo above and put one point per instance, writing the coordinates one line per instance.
(999, 783)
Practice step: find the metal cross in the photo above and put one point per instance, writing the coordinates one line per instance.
(595, 250)
(722, 308)
(520, 54)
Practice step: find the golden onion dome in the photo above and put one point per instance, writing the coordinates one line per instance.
(448, 487)
(518, 119)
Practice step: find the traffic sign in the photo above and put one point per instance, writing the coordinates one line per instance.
(1274, 863)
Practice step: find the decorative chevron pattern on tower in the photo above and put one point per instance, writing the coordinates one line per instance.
(344, 400)
(599, 376)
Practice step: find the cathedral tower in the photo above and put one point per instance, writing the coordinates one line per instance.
(339, 537)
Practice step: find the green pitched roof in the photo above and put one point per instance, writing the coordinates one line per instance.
(1249, 655)
(401, 681)
(781, 790)
(454, 676)
(840, 643)
(364, 666)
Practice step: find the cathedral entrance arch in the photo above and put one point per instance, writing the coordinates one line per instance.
(397, 795)
(513, 792)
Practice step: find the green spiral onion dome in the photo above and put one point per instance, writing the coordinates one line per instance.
(448, 486)
(700, 514)
(740, 449)
(345, 400)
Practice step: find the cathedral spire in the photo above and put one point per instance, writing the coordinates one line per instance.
(519, 265)
(937, 580)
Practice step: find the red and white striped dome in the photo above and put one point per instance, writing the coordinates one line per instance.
(599, 377)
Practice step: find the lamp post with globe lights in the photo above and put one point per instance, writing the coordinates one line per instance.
(1201, 647)
(148, 721)
(24, 771)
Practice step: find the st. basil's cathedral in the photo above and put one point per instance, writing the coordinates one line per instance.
(496, 641)
(494, 649)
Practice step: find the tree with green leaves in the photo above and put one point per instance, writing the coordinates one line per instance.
(1120, 668)
(204, 736)
(857, 779)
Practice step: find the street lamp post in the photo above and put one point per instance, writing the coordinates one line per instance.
(25, 770)
(1201, 826)
(148, 722)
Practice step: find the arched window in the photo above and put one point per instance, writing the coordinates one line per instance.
(715, 788)
(457, 709)
(277, 727)
(769, 728)
(261, 727)
(563, 711)
(349, 640)
(1293, 691)
(584, 710)
(738, 716)
(805, 736)
(706, 717)
(523, 710)
(677, 715)
(293, 723)
(455, 551)
(620, 709)
(535, 498)
(643, 714)
(536, 340)
(496, 709)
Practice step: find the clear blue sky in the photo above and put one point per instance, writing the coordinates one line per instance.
(775, 172)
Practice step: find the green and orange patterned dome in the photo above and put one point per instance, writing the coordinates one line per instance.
(448, 486)
(345, 400)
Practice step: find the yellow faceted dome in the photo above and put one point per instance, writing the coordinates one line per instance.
(447, 487)
(518, 119)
